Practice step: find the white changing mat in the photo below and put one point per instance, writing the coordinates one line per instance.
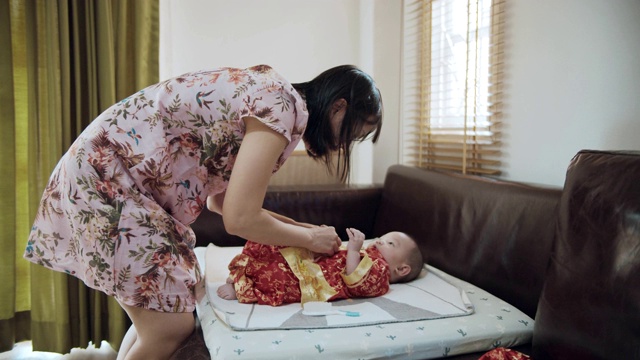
(427, 297)
(494, 323)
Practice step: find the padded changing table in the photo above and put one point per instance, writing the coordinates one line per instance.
(494, 323)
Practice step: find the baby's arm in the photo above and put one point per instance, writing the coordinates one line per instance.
(356, 239)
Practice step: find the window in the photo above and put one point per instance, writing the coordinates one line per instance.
(452, 84)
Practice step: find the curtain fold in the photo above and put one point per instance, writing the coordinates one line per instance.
(65, 62)
(11, 318)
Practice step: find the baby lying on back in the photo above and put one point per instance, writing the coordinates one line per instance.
(276, 275)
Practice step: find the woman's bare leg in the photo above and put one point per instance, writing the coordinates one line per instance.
(153, 338)
(127, 342)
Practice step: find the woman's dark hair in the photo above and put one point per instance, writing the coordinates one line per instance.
(364, 107)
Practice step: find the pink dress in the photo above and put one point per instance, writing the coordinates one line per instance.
(118, 205)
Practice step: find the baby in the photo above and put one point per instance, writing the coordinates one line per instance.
(277, 275)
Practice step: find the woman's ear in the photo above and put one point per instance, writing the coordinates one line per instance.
(338, 105)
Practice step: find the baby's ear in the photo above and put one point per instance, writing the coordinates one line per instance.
(403, 270)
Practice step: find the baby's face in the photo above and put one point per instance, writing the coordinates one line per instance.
(394, 247)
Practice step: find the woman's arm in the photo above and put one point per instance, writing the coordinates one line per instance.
(242, 210)
(289, 220)
(214, 204)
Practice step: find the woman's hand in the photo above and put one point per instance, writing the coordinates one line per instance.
(324, 240)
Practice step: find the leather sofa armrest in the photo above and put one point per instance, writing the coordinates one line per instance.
(341, 206)
(590, 304)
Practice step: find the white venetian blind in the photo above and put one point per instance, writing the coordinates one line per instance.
(451, 84)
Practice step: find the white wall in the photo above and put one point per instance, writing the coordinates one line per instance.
(387, 63)
(298, 38)
(572, 75)
(573, 82)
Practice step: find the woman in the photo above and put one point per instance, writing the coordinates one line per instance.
(118, 204)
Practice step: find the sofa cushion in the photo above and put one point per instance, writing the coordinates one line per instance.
(590, 304)
(494, 234)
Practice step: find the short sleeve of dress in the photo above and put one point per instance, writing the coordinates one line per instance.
(278, 105)
(276, 109)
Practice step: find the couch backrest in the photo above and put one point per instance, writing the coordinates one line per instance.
(337, 205)
(590, 305)
(495, 234)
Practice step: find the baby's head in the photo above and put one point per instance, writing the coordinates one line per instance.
(402, 254)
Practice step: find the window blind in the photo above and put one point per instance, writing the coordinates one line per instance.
(452, 84)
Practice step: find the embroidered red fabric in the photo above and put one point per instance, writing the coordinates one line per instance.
(504, 354)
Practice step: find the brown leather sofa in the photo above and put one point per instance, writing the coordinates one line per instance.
(570, 258)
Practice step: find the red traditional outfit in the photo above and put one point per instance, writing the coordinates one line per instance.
(276, 275)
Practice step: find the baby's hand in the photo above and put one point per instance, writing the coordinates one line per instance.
(356, 239)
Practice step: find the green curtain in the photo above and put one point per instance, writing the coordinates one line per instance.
(62, 63)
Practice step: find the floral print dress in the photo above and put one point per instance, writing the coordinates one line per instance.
(118, 205)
